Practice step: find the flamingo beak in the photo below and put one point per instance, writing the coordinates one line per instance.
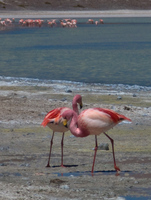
(81, 105)
(65, 123)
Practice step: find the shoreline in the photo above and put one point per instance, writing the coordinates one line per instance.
(45, 95)
(74, 14)
(21, 81)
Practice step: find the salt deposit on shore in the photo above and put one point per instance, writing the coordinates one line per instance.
(75, 14)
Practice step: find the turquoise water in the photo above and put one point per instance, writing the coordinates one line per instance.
(119, 51)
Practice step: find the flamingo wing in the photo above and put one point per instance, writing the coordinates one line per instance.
(98, 120)
(53, 115)
(116, 117)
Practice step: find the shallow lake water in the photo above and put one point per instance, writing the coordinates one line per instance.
(117, 51)
(146, 193)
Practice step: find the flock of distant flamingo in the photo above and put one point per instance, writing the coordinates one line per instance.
(92, 121)
(70, 23)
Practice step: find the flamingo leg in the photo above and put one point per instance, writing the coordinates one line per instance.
(51, 143)
(112, 142)
(62, 150)
(96, 148)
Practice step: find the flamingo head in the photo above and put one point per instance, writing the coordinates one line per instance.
(67, 116)
(78, 99)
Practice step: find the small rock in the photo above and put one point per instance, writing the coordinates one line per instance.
(3, 164)
(42, 114)
(4, 148)
(72, 136)
(24, 97)
(64, 187)
(103, 146)
(63, 99)
(149, 108)
(127, 108)
(136, 182)
(25, 165)
(69, 91)
(119, 98)
(134, 95)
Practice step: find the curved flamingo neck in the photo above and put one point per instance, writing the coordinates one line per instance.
(74, 105)
(74, 127)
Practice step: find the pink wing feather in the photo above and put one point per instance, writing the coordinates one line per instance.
(116, 117)
(53, 114)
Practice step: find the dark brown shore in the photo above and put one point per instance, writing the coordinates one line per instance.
(72, 8)
(79, 5)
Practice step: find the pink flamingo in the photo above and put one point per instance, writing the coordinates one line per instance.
(90, 21)
(93, 121)
(101, 21)
(74, 23)
(63, 24)
(2, 23)
(53, 120)
(21, 21)
(96, 23)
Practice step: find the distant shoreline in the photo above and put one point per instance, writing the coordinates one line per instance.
(75, 14)
(22, 81)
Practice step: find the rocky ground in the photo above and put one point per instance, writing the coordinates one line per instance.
(24, 144)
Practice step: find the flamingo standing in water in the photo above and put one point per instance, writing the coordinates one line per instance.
(93, 121)
(53, 120)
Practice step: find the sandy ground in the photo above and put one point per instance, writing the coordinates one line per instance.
(24, 144)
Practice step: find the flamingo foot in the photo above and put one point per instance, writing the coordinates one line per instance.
(48, 165)
(117, 168)
(62, 166)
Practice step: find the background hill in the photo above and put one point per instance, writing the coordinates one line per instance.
(74, 4)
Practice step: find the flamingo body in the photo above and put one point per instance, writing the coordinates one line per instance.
(54, 121)
(93, 121)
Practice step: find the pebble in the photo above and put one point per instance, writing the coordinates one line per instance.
(69, 91)
(3, 164)
(72, 136)
(127, 108)
(119, 98)
(4, 148)
(66, 187)
(25, 165)
(103, 146)
(42, 114)
(63, 99)
(149, 108)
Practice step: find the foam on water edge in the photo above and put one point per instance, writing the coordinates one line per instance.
(20, 81)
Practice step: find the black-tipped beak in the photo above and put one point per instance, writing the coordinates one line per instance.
(81, 106)
(66, 126)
